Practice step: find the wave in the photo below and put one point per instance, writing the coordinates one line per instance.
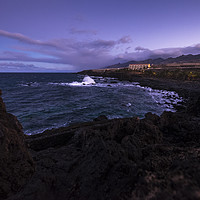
(29, 84)
(97, 82)
(81, 84)
(163, 97)
(88, 80)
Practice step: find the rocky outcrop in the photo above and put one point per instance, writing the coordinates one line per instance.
(151, 158)
(186, 89)
(16, 164)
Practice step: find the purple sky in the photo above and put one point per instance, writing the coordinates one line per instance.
(71, 35)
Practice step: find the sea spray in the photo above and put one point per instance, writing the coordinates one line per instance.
(88, 80)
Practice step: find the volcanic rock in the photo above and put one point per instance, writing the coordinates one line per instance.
(194, 109)
(16, 164)
(157, 157)
(100, 118)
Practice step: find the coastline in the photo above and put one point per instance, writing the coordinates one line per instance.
(188, 89)
(151, 158)
(163, 83)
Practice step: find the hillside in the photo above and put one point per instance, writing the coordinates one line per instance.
(159, 61)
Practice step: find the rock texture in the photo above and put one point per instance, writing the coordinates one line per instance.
(16, 164)
(153, 158)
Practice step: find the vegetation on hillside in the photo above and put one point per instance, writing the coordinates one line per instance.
(179, 74)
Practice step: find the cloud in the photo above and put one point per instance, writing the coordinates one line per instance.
(124, 40)
(197, 46)
(11, 66)
(82, 31)
(7, 66)
(139, 48)
(19, 37)
(66, 44)
(92, 53)
(109, 43)
(84, 54)
(27, 40)
(98, 44)
(19, 56)
(142, 53)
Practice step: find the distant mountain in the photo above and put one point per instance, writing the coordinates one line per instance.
(158, 61)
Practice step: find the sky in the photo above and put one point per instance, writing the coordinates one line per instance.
(73, 35)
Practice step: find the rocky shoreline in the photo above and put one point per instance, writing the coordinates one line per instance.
(157, 157)
(189, 90)
(186, 88)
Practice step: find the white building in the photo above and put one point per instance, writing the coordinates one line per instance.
(139, 66)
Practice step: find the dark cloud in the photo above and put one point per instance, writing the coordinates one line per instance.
(102, 44)
(16, 65)
(93, 53)
(109, 43)
(20, 37)
(18, 56)
(139, 48)
(66, 44)
(27, 40)
(142, 53)
(19, 67)
(84, 54)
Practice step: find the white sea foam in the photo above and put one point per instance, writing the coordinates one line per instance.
(88, 80)
(163, 97)
(114, 116)
(91, 81)
(128, 104)
(29, 84)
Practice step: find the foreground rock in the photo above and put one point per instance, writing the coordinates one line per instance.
(16, 164)
(153, 158)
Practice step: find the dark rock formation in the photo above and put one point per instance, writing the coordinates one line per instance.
(16, 165)
(194, 108)
(153, 158)
(101, 118)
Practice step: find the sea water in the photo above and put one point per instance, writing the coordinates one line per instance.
(48, 100)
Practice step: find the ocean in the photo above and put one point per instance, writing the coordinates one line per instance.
(43, 101)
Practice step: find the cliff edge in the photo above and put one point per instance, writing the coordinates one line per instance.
(16, 164)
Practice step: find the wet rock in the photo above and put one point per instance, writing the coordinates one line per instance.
(2, 105)
(16, 164)
(118, 159)
(100, 118)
